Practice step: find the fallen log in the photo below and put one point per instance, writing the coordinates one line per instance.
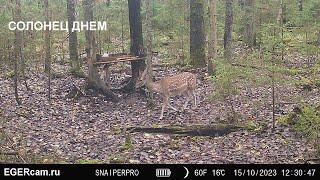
(13, 153)
(194, 130)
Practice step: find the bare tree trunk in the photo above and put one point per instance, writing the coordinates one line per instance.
(213, 50)
(73, 40)
(300, 5)
(241, 3)
(280, 14)
(182, 25)
(197, 34)
(280, 20)
(23, 64)
(122, 27)
(281, 17)
(94, 79)
(318, 38)
(249, 30)
(136, 37)
(228, 30)
(273, 100)
(47, 49)
(17, 47)
(149, 47)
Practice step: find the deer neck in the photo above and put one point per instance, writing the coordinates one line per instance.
(153, 86)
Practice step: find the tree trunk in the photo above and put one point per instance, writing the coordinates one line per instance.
(213, 51)
(47, 36)
(136, 37)
(282, 13)
(249, 29)
(23, 63)
(122, 26)
(318, 37)
(300, 5)
(241, 3)
(228, 30)
(182, 27)
(280, 16)
(73, 40)
(197, 34)
(149, 47)
(94, 79)
(17, 47)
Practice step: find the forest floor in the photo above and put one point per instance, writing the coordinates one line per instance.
(89, 129)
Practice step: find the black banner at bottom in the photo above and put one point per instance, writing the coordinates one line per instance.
(161, 171)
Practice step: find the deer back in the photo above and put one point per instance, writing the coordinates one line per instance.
(178, 84)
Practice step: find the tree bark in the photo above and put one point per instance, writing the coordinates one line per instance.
(249, 30)
(136, 47)
(149, 47)
(319, 38)
(213, 51)
(280, 17)
(228, 30)
(23, 63)
(17, 47)
(300, 5)
(241, 3)
(47, 36)
(73, 39)
(94, 79)
(182, 28)
(282, 13)
(197, 34)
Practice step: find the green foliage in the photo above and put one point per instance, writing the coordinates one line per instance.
(116, 159)
(317, 82)
(225, 86)
(309, 122)
(283, 70)
(283, 120)
(128, 143)
(225, 78)
(310, 13)
(78, 73)
(308, 83)
(10, 74)
(170, 25)
(89, 161)
(304, 81)
(174, 145)
(251, 125)
(316, 68)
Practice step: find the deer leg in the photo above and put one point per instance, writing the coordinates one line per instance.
(188, 100)
(173, 108)
(164, 106)
(194, 99)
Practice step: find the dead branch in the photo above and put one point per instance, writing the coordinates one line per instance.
(247, 66)
(12, 153)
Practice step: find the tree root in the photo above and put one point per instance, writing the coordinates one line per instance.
(104, 91)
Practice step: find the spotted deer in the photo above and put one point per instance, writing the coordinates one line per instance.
(180, 84)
